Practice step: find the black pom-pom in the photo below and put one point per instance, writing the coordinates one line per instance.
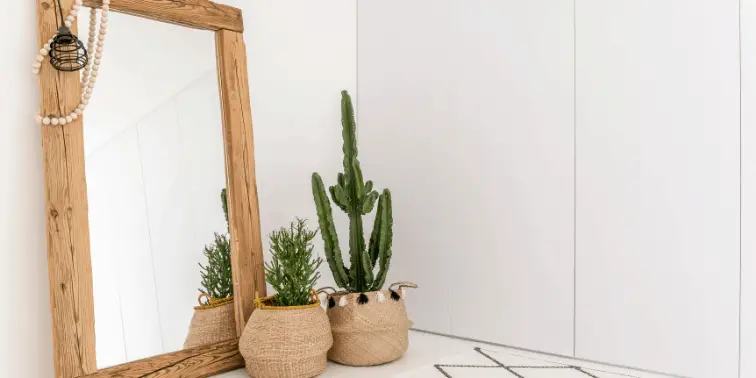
(331, 302)
(362, 299)
(395, 296)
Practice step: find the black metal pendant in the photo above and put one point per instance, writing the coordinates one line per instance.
(67, 52)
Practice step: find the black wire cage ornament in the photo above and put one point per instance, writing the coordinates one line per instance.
(67, 52)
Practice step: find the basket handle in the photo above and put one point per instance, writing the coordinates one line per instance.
(206, 296)
(325, 290)
(402, 284)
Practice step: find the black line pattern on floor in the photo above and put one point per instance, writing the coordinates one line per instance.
(499, 365)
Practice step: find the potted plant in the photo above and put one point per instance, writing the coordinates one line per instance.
(370, 325)
(288, 335)
(213, 320)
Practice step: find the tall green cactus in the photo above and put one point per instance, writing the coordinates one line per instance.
(356, 198)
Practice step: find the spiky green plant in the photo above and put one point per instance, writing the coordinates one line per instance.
(217, 281)
(292, 272)
(356, 198)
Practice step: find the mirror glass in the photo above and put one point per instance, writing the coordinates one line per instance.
(155, 170)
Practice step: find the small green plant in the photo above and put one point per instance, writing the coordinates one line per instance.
(217, 281)
(356, 198)
(293, 271)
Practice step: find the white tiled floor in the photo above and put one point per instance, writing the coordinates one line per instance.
(426, 351)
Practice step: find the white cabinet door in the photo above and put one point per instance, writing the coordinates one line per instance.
(466, 112)
(658, 184)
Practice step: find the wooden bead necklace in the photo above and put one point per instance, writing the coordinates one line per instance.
(89, 74)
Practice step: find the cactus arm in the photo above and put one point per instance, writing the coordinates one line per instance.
(348, 131)
(385, 238)
(358, 274)
(375, 235)
(328, 232)
(358, 183)
(337, 194)
(361, 269)
(369, 203)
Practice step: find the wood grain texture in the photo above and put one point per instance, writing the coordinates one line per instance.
(246, 238)
(67, 224)
(203, 361)
(198, 14)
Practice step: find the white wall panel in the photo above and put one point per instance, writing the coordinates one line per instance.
(658, 185)
(466, 113)
(748, 248)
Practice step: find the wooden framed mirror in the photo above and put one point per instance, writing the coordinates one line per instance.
(67, 203)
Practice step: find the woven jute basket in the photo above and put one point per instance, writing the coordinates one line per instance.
(286, 342)
(372, 333)
(213, 321)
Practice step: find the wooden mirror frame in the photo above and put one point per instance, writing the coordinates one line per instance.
(66, 208)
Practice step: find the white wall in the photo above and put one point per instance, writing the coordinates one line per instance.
(748, 190)
(658, 185)
(25, 328)
(300, 55)
(475, 99)
(467, 117)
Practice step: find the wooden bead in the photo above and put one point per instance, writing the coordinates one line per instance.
(79, 110)
(38, 119)
(46, 121)
(74, 115)
(69, 119)
(39, 58)
(61, 121)
(68, 23)
(54, 121)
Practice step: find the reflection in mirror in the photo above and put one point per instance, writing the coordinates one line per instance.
(155, 171)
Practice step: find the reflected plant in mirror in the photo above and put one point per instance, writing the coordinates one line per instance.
(213, 319)
(216, 276)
